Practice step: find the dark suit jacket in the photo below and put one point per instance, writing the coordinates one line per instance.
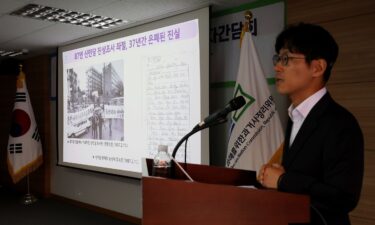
(325, 161)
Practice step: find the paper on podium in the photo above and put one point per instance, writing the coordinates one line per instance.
(248, 186)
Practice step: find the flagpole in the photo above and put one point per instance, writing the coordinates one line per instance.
(29, 198)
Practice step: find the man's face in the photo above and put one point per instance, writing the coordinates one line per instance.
(293, 77)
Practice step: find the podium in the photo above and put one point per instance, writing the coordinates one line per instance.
(218, 196)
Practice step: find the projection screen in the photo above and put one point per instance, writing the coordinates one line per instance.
(122, 94)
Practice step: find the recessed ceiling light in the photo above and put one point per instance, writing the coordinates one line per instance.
(6, 53)
(12, 53)
(16, 53)
(51, 14)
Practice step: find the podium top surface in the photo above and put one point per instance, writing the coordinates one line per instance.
(208, 174)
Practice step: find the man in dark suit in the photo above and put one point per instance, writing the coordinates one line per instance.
(323, 148)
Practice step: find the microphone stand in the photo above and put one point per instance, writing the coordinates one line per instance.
(193, 131)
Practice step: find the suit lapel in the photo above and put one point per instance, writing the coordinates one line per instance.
(306, 130)
(303, 134)
(286, 141)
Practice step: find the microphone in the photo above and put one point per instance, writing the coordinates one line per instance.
(219, 115)
(215, 118)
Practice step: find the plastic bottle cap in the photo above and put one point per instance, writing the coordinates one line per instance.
(163, 148)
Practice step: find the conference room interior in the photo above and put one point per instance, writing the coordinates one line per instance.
(67, 193)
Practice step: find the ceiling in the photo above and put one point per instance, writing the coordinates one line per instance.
(36, 36)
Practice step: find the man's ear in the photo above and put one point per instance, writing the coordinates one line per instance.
(319, 66)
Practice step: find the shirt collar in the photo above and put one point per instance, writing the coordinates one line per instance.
(302, 110)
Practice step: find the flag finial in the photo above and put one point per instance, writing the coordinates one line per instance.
(21, 77)
(248, 17)
(245, 28)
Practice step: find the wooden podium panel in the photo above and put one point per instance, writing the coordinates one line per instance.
(182, 202)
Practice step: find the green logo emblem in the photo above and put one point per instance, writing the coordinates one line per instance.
(249, 101)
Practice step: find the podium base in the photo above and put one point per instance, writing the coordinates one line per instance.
(29, 199)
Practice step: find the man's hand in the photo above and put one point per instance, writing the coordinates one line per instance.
(269, 175)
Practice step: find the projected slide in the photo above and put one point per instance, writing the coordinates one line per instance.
(122, 98)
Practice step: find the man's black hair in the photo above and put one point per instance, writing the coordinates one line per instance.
(313, 41)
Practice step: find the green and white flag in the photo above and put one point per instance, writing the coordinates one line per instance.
(256, 131)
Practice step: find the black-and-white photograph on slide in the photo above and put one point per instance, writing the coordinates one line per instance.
(95, 101)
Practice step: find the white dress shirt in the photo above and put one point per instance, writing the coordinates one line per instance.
(298, 114)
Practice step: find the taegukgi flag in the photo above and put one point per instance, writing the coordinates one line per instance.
(24, 145)
(256, 131)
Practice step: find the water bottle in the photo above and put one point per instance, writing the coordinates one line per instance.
(162, 163)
